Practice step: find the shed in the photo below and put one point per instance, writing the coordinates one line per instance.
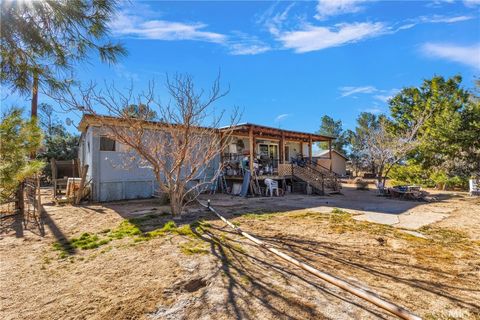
(337, 164)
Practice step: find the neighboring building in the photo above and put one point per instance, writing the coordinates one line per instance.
(337, 164)
(273, 150)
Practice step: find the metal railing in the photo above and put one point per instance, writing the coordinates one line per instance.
(310, 172)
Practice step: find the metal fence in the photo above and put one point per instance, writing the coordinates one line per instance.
(22, 211)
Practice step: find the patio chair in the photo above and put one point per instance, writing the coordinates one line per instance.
(474, 186)
(380, 188)
(272, 186)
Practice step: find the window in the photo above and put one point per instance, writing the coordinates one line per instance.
(107, 144)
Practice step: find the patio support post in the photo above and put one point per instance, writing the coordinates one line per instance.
(222, 148)
(310, 149)
(301, 149)
(282, 148)
(251, 146)
(330, 153)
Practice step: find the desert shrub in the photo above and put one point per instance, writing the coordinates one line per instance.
(361, 184)
(442, 180)
(414, 174)
(410, 174)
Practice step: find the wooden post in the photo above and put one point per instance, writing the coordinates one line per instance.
(54, 177)
(282, 148)
(83, 177)
(310, 149)
(19, 204)
(301, 149)
(251, 146)
(222, 149)
(330, 153)
(39, 195)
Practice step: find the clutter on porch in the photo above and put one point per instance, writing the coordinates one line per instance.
(264, 161)
(69, 181)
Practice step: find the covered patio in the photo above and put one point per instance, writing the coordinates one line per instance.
(267, 151)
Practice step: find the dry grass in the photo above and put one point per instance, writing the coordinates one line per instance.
(144, 266)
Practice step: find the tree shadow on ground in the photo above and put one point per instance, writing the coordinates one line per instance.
(333, 257)
(349, 199)
(35, 223)
(258, 281)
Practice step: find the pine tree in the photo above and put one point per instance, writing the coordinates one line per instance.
(18, 139)
(41, 41)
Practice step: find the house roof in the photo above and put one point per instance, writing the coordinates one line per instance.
(94, 119)
(261, 130)
(323, 153)
(243, 128)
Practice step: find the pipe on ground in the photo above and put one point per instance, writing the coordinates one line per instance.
(388, 306)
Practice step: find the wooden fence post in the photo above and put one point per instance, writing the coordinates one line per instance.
(19, 204)
(83, 177)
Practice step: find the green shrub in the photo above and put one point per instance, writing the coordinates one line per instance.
(410, 174)
(443, 181)
(414, 174)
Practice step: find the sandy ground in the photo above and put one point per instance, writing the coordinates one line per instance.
(230, 278)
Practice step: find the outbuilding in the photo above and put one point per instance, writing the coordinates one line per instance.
(337, 163)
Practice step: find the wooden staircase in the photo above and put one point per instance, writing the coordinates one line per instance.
(319, 180)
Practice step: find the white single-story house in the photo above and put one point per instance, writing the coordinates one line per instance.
(110, 179)
(337, 164)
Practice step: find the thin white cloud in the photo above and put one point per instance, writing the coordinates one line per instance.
(444, 19)
(281, 117)
(135, 26)
(122, 72)
(274, 21)
(410, 23)
(374, 110)
(248, 49)
(301, 36)
(348, 91)
(471, 3)
(381, 95)
(145, 26)
(407, 26)
(438, 3)
(329, 8)
(385, 95)
(245, 44)
(467, 55)
(313, 38)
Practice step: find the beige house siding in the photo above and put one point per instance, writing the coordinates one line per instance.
(339, 163)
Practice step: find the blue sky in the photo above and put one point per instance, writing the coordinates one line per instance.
(289, 63)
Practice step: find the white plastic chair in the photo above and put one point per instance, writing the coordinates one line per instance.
(380, 187)
(272, 186)
(474, 187)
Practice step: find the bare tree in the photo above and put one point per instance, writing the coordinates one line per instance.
(182, 148)
(387, 147)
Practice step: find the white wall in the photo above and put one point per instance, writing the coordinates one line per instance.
(339, 164)
(116, 175)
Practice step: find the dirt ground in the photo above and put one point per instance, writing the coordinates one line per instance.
(124, 260)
